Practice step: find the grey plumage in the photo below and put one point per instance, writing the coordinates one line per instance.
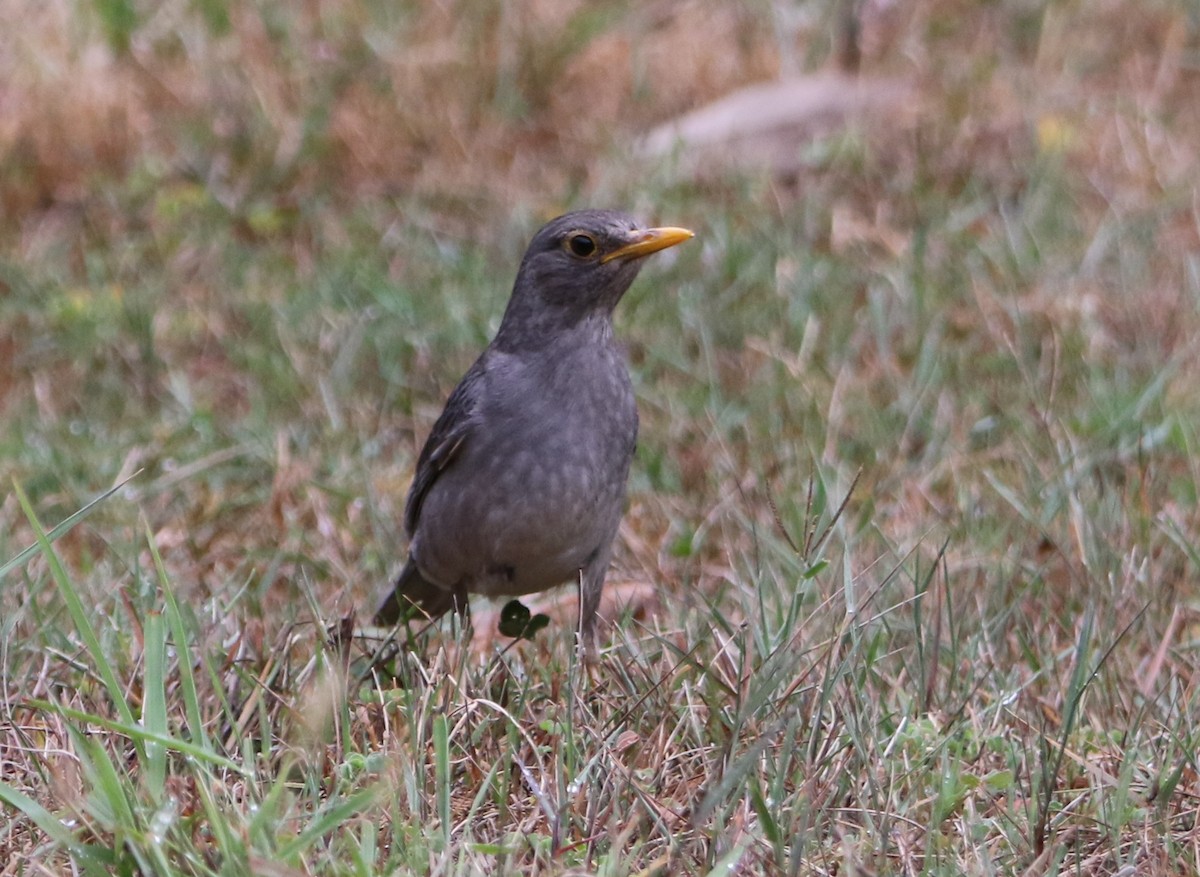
(521, 483)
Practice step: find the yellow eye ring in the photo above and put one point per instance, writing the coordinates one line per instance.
(580, 244)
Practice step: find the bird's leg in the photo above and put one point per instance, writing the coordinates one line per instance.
(462, 608)
(591, 586)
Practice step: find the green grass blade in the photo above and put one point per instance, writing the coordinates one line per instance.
(79, 615)
(41, 817)
(441, 772)
(327, 821)
(154, 701)
(108, 801)
(22, 557)
(728, 864)
(140, 734)
(183, 649)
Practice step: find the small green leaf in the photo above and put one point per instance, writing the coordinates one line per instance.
(815, 570)
(517, 622)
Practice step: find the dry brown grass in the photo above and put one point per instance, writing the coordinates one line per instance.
(439, 99)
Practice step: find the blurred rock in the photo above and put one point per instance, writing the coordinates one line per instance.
(771, 125)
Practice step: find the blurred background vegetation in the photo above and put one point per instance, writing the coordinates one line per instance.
(263, 241)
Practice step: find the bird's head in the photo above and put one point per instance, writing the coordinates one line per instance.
(579, 265)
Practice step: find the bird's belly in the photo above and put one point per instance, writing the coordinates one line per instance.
(511, 519)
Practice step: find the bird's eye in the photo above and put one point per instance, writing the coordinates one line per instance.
(581, 245)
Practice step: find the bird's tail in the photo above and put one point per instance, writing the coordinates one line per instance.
(413, 596)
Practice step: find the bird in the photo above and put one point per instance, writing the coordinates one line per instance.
(520, 486)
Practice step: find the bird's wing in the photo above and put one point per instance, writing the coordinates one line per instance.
(453, 427)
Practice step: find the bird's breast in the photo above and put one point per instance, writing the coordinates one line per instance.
(540, 484)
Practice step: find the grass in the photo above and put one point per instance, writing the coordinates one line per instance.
(916, 496)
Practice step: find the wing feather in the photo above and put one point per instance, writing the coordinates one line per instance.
(452, 429)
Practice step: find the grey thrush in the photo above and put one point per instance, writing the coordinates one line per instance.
(521, 484)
